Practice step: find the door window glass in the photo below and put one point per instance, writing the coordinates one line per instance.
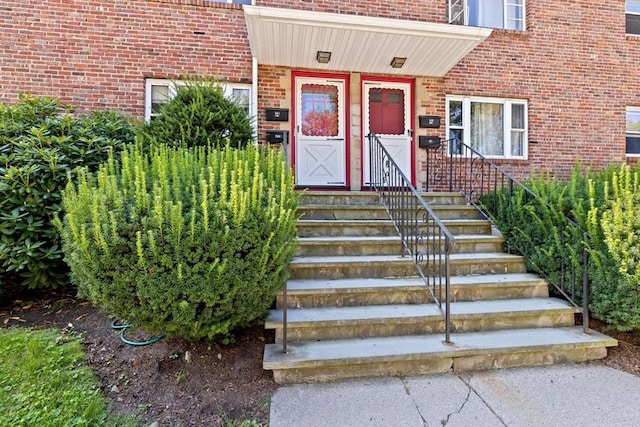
(319, 110)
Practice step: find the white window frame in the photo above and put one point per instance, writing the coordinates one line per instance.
(507, 103)
(634, 134)
(253, 2)
(634, 11)
(458, 13)
(172, 84)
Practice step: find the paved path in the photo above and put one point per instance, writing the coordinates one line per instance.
(558, 395)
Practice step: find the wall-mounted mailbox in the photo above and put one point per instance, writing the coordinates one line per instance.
(277, 114)
(425, 141)
(277, 136)
(429, 121)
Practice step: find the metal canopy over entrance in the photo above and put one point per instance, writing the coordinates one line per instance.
(293, 38)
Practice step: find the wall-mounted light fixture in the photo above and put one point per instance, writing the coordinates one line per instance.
(398, 62)
(323, 57)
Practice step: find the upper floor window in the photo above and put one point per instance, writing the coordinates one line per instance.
(233, 1)
(494, 127)
(633, 131)
(632, 8)
(508, 14)
(159, 91)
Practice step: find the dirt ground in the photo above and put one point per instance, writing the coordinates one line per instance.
(172, 382)
(177, 383)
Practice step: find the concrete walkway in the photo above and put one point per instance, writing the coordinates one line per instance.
(558, 395)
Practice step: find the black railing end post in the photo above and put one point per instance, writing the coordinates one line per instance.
(585, 289)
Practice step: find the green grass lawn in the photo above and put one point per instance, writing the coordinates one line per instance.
(44, 381)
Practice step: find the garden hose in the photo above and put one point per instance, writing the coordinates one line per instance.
(116, 324)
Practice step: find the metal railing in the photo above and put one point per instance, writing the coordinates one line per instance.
(455, 166)
(424, 237)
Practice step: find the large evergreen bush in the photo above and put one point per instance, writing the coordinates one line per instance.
(607, 205)
(188, 241)
(40, 143)
(199, 115)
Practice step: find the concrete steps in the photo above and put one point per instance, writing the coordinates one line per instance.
(356, 306)
(332, 360)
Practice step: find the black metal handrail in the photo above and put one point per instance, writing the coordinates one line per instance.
(455, 166)
(424, 237)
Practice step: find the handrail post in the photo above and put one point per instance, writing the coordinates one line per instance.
(447, 314)
(284, 318)
(585, 288)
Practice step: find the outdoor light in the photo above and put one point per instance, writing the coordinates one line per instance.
(323, 57)
(397, 62)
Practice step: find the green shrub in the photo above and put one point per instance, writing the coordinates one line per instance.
(536, 228)
(40, 143)
(199, 115)
(192, 242)
(614, 226)
(607, 205)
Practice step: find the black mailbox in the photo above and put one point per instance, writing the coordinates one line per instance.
(425, 141)
(277, 136)
(277, 114)
(429, 121)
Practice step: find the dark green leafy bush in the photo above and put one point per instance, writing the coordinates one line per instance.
(192, 242)
(605, 204)
(200, 115)
(40, 143)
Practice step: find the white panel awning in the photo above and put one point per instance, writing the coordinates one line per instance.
(366, 44)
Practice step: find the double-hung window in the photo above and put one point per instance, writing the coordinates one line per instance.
(159, 91)
(232, 1)
(507, 14)
(632, 9)
(633, 131)
(494, 127)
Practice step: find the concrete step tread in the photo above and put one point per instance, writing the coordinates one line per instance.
(433, 205)
(466, 309)
(381, 349)
(459, 257)
(318, 222)
(395, 239)
(365, 284)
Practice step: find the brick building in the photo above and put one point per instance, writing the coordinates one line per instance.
(534, 84)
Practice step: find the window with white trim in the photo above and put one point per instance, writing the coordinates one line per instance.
(632, 14)
(159, 91)
(232, 1)
(633, 131)
(494, 127)
(507, 14)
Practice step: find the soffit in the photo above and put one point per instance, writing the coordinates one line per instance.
(290, 37)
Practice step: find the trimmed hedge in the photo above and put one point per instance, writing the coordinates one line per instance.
(40, 144)
(192, 242)
(607, 205)
(199, 115)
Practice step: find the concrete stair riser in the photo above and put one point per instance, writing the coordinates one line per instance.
(388, 327)
(320, 198)
(402, 267)
(386, 246)
(313, 228)
(403, 367)
(341, 213)
(412, 295)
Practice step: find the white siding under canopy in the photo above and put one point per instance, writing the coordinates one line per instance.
(290, 37)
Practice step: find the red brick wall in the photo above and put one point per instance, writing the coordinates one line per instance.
(96, 54)
(578, 70)
(574, 63)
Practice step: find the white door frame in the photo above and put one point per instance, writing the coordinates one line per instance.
(321, 160)
(399, 146)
